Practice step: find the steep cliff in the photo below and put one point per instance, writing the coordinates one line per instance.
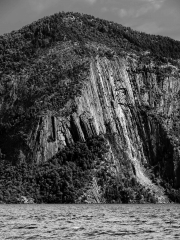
(73, 91)
(133, 106)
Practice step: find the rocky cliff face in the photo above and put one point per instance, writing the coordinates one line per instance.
(73, 80)
(135, 106)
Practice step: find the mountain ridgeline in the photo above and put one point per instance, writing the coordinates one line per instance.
(89, 113)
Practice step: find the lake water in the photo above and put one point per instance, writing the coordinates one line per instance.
(90, 222)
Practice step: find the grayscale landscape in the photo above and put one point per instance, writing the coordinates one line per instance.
(90, 114)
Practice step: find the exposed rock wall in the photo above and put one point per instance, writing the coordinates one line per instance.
(129, 103)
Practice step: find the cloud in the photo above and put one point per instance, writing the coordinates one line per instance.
(87, 1)
(156, 4)
(41, 5)
(90, 1)
(104, 9)
(143, 10)
(123, 13)
(134, 13)
(139, 8)
(149, 5)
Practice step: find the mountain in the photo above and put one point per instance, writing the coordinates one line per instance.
(89, 112)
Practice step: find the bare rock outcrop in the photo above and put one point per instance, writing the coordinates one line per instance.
(131, 101)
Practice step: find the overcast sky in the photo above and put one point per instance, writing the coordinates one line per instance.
(152, 16)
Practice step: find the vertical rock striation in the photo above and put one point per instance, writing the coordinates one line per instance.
(134, 105)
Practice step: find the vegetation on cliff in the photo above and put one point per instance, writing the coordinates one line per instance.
(65, 178)
(60, 180)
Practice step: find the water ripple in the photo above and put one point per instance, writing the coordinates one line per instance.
(101, 222)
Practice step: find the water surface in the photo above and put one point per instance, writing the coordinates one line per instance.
(102, 222)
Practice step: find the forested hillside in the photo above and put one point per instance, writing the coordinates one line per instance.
(47, 70)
